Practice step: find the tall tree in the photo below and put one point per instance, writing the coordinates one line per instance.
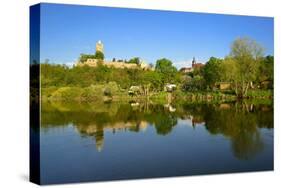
(165, 67)
(246, 53)
(212, 71)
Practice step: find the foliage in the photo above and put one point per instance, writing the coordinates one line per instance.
(67, 94)
(99, 55)
(212, 71)
(266, 69)
(84, 57)
(194, 84)
(244, 70)
(135, 60)
(167, 71)
(247, 54)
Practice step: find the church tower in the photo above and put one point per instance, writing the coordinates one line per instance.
(193, 62)
(99, 46)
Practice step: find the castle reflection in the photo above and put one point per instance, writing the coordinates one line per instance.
(98, 131)
(240, 122)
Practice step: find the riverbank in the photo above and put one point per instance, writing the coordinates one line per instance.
(111, 92)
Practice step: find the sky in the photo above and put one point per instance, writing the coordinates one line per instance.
(66, 31)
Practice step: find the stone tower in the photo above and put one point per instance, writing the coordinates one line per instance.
(99, 46)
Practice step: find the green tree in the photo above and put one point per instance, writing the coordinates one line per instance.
(229, 70)
(166, 69)
(99, 55)
(83, 57)
(212, 71)
(247, 54)
(135, 60)
(266, 69)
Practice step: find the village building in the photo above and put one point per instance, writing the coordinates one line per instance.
(186, 69)
(195, 65)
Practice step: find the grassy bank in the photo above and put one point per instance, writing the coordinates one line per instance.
(112, 92)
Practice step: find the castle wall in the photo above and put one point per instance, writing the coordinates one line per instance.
(119, 65)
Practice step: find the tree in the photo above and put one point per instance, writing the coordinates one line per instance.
(266, 69)
(135, 60)
(168, 71)
(83, 57)
(229, 70)
(212, 71)
(151, 81)
(99, 55)
(193, 84)
(246, 53)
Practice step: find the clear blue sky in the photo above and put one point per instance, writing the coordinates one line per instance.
(68, 30)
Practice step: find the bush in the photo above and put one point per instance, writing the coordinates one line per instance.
(47, 92)
(90, 94)
(67, 94)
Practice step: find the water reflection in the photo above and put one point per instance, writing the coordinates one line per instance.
(239, 122)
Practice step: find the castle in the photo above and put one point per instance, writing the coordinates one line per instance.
(93, 62)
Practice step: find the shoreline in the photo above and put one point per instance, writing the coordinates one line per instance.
(74, 94)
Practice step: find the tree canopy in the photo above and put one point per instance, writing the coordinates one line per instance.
(212, 71)
(135, 60)
(166, 69)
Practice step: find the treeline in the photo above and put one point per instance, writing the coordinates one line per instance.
(85, 76)
(245, 70)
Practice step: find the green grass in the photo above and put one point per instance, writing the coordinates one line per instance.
(97, 92)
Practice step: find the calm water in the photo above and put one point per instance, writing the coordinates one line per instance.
(95, 142)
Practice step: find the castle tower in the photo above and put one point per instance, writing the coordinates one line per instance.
(99, 137)
(99, 46)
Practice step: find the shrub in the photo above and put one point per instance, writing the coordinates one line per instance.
(67, 94)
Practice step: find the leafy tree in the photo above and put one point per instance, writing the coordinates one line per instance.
(266, 69)
(135, 60)
(212, 71)
(83, 57)
(194, 84)
(246, 53)
(166, 69)
(151, 80)
(229, 70)
(99, 55)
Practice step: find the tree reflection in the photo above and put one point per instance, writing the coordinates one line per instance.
(165, 123)
(240, 122)
(240, 125)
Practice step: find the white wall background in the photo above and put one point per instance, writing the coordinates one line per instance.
(14, 92)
